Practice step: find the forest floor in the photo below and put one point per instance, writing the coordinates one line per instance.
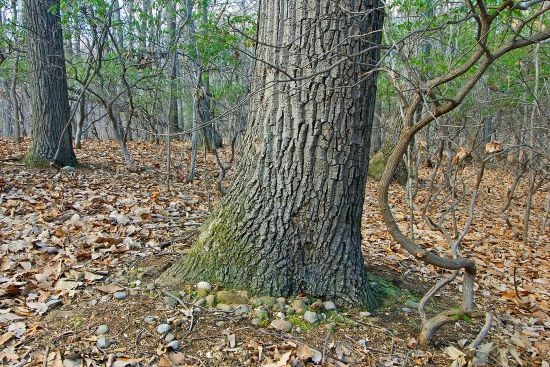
(70, 239)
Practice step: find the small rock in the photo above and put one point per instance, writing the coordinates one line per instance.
(119, 295)
(330, 306)
(224, 307)
(280, 315)
(174, 344)
(311, 317)
(220, 323)
(170, 301)
(299, 306)
(268, 301)
(261, 313)
(151, 286)
(411, 304)
(255, 321)
(282, 325)
(200, 302)
(103, 342)
(169, 337)
(317, 305)
(102, 330)
(231, 298)
(255, 302)
(278, 307)
(204, 285)
(149, 319)
(365, 314)
(93, 302)
(104, 299)
(406, 309)
(242, 310)
(363, 342)
(211, 300)
(163, 328)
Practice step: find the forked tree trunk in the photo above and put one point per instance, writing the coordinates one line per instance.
(48, 85)
(291, 220)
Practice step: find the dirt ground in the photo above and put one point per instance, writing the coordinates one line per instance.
(70, 239)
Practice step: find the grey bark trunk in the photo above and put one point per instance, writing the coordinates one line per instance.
(291, 220)
(51, 130)
(80, 122)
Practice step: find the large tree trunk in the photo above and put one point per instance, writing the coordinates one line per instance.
(48, 85)
(291, 220)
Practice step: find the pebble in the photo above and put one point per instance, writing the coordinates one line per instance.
(220, 323)
(311, 317)
(149, 319)
(151, 286)
(225, 307)
(411, 304)
(170, 301)
(261, 313)
(268, 301)
(330, 306)
(163, 329)
(365, 314)
(174, 344)
(242, 310)
(104, 299)
(103, 342)
(211, 300)
(282, 325)
(406, 309)
(363, 342)
(93, 302)
(299, 306)
(169, 337)
(199, 302)
(280, 315)
(119, 295)
(102, 330)
(204, 285)
(256, 321)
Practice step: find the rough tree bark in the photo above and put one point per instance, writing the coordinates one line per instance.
(48, 85)
(291, 220)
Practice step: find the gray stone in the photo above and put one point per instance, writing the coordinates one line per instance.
(163, 328)
(103, 342)
(231, 298)
(299, 306)
(93, 302)
(280, 315)
(174, 344)
(278, 307)
(204, 285)
(169, 337)
(268, 301)
(255, 302)
(311, 317)
(365, 314)
(211, 300)
(102, 330)
(255, 321)
(149, 319)
(220, 323)
(200, 302)
(225, 307)
(104, 299)
(411, 304)
(406, 310)
(261, 313)
(242, 310)
(282, 325)
(151, 286)
(330, 306)
(170, 301)
(119, 295)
